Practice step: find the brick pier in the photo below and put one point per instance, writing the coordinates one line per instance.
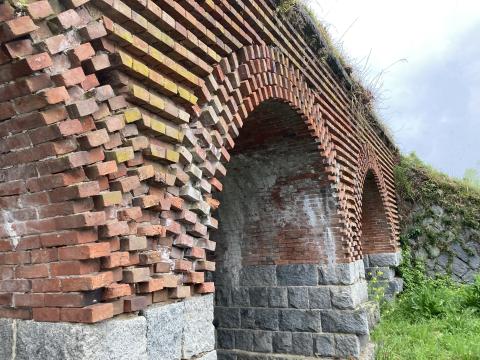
(152, 150)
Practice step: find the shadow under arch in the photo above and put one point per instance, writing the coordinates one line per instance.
(277, 220)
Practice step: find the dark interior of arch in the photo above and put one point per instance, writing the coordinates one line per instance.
(275, 222)
(375, 236)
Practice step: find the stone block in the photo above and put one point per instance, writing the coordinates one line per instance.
(244, 340)
(298, 297)
(323, 345)
(302, 344)
(258, 297)
(277, 297)
(262, 341)
(198, 331)
(259, 275)
(345, 321)
(297, 275)
(121, 338)
(6, 336)
(347, 346)
(226, 317)
(167, 343)
(282, 342)
(349, 296)
(225, 339)
(240, 297)
(259, 319)
(386, 259)
(300, 320)
(319, 298)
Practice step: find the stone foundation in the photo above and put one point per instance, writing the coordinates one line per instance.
(181, 330)
(304, 311)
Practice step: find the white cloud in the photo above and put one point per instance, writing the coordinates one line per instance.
(433, 98)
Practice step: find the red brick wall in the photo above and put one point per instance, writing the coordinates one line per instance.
(276, 205)
(116, 122)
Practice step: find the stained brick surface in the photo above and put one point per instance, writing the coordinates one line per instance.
(117, 119)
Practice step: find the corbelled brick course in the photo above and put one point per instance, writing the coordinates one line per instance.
(117, 120)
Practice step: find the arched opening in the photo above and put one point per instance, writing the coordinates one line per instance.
(380, 256)
(375, 236)
(276, 225)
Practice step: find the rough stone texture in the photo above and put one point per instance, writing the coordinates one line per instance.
(121, 338)
(165, 344)
(6, 338)
(447, 245)
(198, 331)
(181, 330)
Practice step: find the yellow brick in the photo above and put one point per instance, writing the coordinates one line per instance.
(125, 59)
(157, 102)
(110, 198)
(187, 95)
(140, 93)
(168, 40)
(140, 68)
(171, 132)
(170, 86)
(180, 136)
(124, 9)
(172, 156)
(122, 33)
(157, 55)
(157, 126)
(132, 114)
(120, 155)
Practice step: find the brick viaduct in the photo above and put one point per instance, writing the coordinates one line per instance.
(123, 127)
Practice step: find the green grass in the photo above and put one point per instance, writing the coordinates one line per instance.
(432, 319)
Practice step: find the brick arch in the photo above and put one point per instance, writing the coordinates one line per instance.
(257, 74)
(370, 183)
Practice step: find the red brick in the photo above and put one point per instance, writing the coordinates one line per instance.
(65, 20)
(46, 314)
(205, 288)
(82, 108)
(76, 191)
(135, 303)
(116, 259)
(70, 77)
(39, 9)
(24, 314)
(85, 251)
(81, 53)
(12, 188)
(12, 286)
(46, 285)
(7, 12)
(151, 286)
(89, 314)
(117, 290)
(31, 271)
(19, 48)
(72, 299)
(29, 300)
(101, 169)
(17, 27)
(44, 255)
(87, 282)
(92, 31)
(94, 139)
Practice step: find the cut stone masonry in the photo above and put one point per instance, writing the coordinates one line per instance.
(121, 123)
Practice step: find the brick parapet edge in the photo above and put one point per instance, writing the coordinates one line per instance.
(116, 118)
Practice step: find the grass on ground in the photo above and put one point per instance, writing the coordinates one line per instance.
(432, 319)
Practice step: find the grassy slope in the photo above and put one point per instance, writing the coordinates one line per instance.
(432, 319)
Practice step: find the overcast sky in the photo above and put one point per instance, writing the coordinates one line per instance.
(426, 56)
